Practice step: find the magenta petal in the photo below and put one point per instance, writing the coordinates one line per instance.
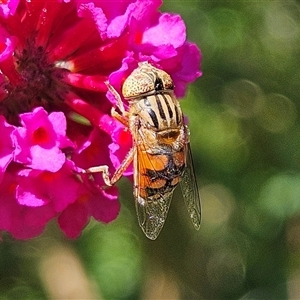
(6, 145)
(46, 159)
(21, 144)
(107, 207)
(38, 188)
(58, 121)
(36, 119)
(21, 221)
(30, 197)
(28, 192)
(104, 206)
(37, 217)
(118, 21)
(190, 68)
(169, 30)
(146, 9)
(8, 203)
(96, 13)
(73, 219)
(62, 186)
(8, 8)
(163, 52)
(191, 60)
(94, 150)
(121, 145)
(7, 43)
(117, 26)
(5, 158)
(116, 78)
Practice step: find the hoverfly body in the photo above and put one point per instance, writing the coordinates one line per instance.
(161, 152)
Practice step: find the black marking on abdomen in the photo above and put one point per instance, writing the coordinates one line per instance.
(168, 187)
(170, 172)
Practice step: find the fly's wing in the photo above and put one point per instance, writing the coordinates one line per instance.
(152, 214)
(152, 204)
(190, 190)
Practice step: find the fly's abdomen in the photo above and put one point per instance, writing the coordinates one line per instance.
(159, 174)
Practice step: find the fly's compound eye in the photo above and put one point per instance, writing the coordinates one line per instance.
(146, 79)
(158, 85)
(165, 79)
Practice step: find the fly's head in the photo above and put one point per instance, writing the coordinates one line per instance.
(146, 80)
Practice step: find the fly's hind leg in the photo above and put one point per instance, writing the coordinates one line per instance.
(100, 169)
(123, 166)
(118, 173)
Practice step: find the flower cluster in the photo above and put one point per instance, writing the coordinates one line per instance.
(55, 57)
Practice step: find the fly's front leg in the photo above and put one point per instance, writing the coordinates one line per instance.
(123, 118)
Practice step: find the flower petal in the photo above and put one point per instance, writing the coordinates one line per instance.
(6, 145)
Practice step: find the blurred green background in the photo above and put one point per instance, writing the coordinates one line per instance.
(245, 137)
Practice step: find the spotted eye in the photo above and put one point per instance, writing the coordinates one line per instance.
(168, 82)
(145, 80)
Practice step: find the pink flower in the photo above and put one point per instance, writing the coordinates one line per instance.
(39, 142)
(55, 120)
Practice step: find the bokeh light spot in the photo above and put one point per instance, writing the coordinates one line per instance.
(278, 114)
(244, 98)
(218, 204)
(227, 27)
(226, 270)
(281, 22)
(280, 196)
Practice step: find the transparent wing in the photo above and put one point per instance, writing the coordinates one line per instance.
(152, 205)
(152, 214)
(190, 190)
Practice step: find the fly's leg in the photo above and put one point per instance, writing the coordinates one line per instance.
(123, 166)
(118, 173)
(100, 169)
(122, 118)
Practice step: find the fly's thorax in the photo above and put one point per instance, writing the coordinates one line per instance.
(158, 111)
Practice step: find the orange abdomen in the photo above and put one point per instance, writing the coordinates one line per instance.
(159, 174)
